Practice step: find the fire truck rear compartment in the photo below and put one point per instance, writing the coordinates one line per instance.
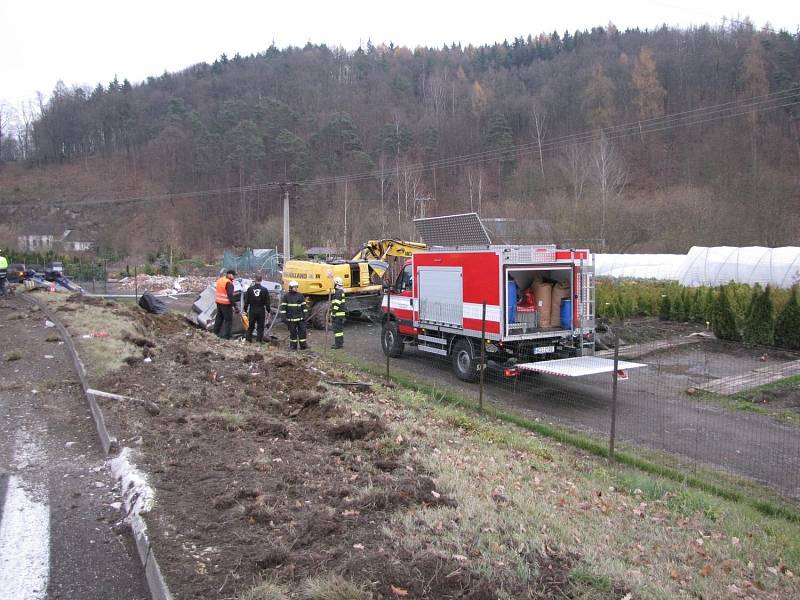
(526, 321)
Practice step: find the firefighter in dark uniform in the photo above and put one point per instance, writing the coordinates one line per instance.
(338, 313)
(256, 304)
(295, 311)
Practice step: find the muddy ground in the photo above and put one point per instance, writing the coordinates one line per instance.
(265, 468)
(269, 466)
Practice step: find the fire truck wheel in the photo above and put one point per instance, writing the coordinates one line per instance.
(464, 361)
(391, 342)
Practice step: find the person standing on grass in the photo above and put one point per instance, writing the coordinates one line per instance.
(295, 311)
(3, 273)
(256, 304)
(223, 295)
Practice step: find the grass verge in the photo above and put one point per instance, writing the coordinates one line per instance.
(772, 508)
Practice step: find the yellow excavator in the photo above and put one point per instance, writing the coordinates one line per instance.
(362, 276)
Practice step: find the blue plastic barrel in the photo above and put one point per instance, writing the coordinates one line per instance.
(512, 301)
(566, 313)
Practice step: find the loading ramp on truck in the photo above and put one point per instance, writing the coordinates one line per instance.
(578, 366)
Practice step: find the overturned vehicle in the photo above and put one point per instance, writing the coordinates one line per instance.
(204, 309)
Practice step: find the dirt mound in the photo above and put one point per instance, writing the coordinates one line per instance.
(428, 574)
(138, 341)
(779, 398)
(258, 462)
(405, 492)
(358, 430)
(90, 300)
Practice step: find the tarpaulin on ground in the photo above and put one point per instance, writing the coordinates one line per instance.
(152, 304)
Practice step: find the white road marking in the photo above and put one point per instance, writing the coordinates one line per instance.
(25, 528)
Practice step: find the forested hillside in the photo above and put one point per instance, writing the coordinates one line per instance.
(651, 140)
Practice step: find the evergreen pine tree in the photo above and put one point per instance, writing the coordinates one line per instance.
(688, 304)
(759, 326)
(709, 304)
(787, 326)
(723, 321)
(698, 306)
(676, 314)
(665, 308)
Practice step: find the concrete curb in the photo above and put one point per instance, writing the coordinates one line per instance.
(155, 579)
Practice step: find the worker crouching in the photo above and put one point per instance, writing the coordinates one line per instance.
(295, 311)
(338, 313)
(256, 304)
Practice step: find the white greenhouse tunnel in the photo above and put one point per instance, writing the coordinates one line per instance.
(778, 267)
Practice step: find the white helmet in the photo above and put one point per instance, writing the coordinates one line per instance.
(338, 281)
(293, 284)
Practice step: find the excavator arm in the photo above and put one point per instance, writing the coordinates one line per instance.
(382, 249)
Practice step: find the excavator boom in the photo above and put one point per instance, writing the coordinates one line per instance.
(381, 249)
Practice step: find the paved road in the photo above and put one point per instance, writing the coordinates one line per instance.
(653, 410)
(58, 538)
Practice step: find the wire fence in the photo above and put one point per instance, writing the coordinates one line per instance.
(724, 411)
(721, 410)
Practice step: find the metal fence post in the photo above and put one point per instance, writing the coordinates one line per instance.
(612, 436)
(136, 283)
(483, 355)
(388, 312)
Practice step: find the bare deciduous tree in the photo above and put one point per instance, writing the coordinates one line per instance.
(540, 123)
(575, 166)
(475, 180)
(609, 175)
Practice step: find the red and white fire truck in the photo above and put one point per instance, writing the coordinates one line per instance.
(441, 296)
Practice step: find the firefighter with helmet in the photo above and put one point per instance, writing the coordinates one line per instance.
(294, 310)
(338, 313)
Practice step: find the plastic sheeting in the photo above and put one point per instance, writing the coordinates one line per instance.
(252, 261)
(639, 266)
(778, 267)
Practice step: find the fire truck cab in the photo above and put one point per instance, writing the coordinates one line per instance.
(464, 293)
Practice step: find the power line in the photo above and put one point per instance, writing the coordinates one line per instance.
(757, 104)
(694, 117)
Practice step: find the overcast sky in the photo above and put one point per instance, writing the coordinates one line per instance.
(84, 42)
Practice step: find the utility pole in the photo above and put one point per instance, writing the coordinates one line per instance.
(345, 216)
(287, 247)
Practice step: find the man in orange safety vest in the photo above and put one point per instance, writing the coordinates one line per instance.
(223, 295)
